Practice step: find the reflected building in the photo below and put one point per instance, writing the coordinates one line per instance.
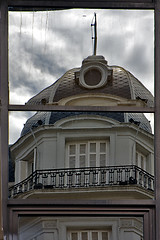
(86, 155)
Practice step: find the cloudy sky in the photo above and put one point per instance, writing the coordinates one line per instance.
(44, 45)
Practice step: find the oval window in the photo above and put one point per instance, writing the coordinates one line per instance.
(92, 77)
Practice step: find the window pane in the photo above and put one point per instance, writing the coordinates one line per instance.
(102, 159)
(82, 148)
(142, 162)
(74, 236)
(95, 236)
(72, 149)
(72, 162)
(102, 147)
(52, 153)
(84, 236)
(104, 236)
(92, 160)
(82, 161)
(36, 61)
(92, 147)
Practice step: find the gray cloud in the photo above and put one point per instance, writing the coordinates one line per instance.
(16, 123)
(138, 59)
(31, 57)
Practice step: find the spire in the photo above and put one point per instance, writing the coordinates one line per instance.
(94, 37)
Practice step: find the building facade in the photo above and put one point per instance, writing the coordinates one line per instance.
(86, 155)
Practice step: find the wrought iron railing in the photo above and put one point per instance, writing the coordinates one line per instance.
(84, 178)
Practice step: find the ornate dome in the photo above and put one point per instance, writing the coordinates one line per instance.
(94, 80)
(95, 77)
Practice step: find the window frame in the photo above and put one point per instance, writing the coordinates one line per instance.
(87, 153)
(12, 209)
(79, 232)
(141, 160)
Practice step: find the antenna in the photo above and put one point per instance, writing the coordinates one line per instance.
(95, 33)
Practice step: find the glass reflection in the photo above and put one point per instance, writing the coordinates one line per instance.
(82, 228)
(43, 46)
(17, 121)
(84, 155)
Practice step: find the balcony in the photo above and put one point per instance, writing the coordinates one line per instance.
(84, 178)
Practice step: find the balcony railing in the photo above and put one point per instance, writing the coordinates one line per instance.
(84, 178)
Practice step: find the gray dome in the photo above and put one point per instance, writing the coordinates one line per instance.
(116, 81)
(120, 82)
(49, 118)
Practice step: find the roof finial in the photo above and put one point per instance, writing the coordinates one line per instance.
(94, 37)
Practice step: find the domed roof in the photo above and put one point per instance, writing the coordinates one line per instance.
(118, 82)
(50, 118)
(94, 77)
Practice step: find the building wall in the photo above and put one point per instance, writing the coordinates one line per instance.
(57, 228)
(49, 149)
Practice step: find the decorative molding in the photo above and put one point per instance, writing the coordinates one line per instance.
(131, 223)
(49, 224)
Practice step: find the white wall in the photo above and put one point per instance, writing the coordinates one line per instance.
(51, 143)
(58, 228)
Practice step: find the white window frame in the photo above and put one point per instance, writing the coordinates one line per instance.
(139, 158)
(88, 153)
(89, 233)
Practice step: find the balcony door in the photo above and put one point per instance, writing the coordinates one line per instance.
(87, 154)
